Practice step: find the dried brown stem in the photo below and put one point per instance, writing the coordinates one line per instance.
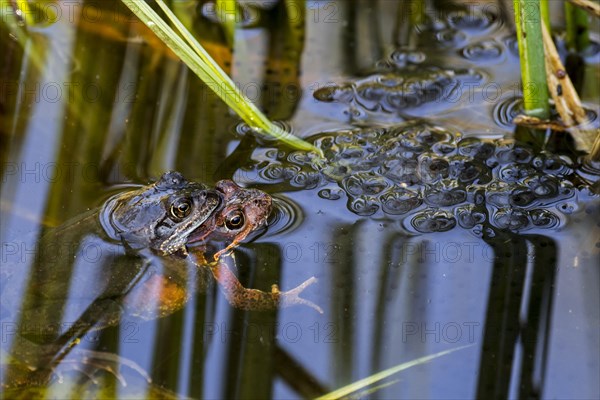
(536, 123)
(566, 100)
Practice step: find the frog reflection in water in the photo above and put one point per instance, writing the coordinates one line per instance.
(154, 245)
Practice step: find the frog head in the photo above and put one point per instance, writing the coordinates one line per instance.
(242, 212)
(161, 216)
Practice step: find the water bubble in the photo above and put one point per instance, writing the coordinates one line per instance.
(521, 197)
(465, 170)
(568, 207)
(543, 186)
(306, 180)
(272, 153)
(511, 219)
(470, 216)
(552, 164)
(333, 93)
(243, 128)
(544, 219)
(444, 196)
(498, 194)
(400, 201)
(433, 221)
(487, 50)
(591, 115)
(431, 135)
(279, 172)
(472, 19)
(476, 148)
(508, 151)
(331, 194)
(450, 37)
(432, 169)
(273, 172)
(403, 58)
(364, 183)
(401, 171)
(443, 149)
(300, 158)
(363, 205)
(514, 172)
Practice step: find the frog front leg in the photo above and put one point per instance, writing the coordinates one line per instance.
(254, 299)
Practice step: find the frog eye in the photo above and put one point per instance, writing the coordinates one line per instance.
(181, 208)
(234, 220)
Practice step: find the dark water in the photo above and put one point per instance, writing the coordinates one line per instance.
(409, 262)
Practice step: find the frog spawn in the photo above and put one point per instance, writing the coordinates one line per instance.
(397, 90)
(390, 92)
(435, 178)
(405, 81)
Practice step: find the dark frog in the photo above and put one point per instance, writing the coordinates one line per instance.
(160, 217)
(137, 257)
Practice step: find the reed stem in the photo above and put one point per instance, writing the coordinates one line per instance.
(545, 10)
(533, 70)
(578, 29)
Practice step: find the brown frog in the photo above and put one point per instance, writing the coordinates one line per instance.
(244, 211)
(135, 257)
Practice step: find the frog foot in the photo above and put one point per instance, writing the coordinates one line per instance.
(292, 297)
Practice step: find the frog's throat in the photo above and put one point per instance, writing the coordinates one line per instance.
(241, 236)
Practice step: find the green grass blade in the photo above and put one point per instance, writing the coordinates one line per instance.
(368, 392)
(370, 380)
(200, 62)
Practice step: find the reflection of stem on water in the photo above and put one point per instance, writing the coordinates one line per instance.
(286, 23)
(364, 42)
(394, 274)
(409, 15)
(344, 275)
(250, 361)
(297, 376)
(518, 317)
(46, 356)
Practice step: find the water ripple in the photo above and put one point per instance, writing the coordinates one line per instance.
(506, 110)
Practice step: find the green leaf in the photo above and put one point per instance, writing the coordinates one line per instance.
(202, 64)
(370, 380)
